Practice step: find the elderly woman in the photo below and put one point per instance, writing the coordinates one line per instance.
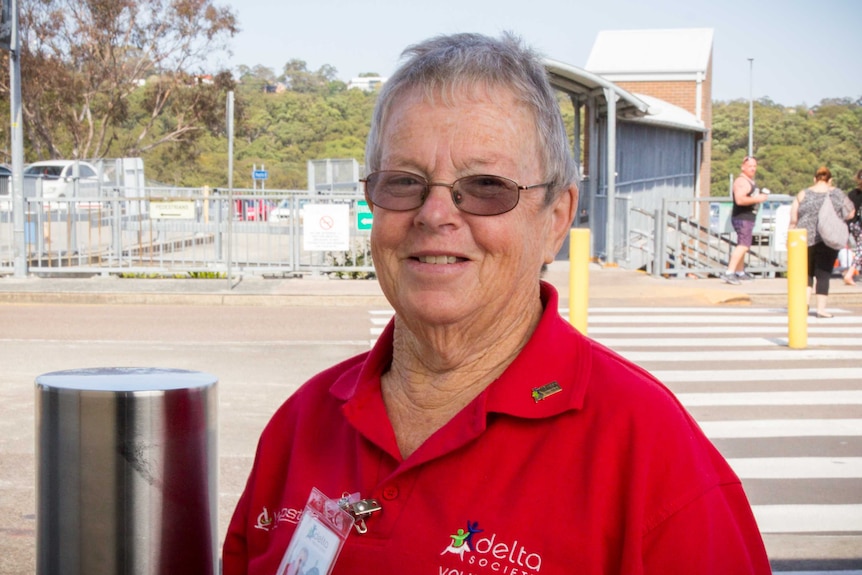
(492, 436)
(804, 213)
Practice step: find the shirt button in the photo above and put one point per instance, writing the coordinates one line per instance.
(390, 492)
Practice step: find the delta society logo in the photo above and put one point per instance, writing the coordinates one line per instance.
(489, 554)
(317, 538)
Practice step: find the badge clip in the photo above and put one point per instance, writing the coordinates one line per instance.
(359, 509)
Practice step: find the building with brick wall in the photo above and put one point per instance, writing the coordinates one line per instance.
(638, 153)
(673, 65)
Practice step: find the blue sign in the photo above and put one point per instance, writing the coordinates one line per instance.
(260, 174)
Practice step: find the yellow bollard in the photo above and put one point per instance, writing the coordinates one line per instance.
(579, 277)
(797, 284)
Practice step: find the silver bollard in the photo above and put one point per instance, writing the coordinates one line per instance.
(127, 472)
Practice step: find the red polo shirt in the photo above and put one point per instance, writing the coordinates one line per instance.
(608, 475)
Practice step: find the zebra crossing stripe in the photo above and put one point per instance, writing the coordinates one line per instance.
(761, 428)
(746, 311)
(713, 342)
(743, 322)
(738, 311)
(773, 398)
(807, 354)
(619, 329)
(797, 467)
(711, 311)
(808, 518)
(756, 375)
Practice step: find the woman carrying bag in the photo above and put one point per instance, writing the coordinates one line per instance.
(808, 212)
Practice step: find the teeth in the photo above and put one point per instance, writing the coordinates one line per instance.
(438, 259)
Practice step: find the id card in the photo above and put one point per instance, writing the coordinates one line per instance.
(322, 530)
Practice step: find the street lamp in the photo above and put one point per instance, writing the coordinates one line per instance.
(750, 107)
(10, 18)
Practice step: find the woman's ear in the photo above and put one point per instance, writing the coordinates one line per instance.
(563, 214)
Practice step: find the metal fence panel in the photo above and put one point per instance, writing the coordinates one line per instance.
(181, 231)
(163, 231)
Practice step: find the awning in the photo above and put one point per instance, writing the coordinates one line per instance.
(578, 81)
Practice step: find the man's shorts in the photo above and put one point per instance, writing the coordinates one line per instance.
(744, 231)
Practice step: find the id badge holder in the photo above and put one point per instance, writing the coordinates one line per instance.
(322, 530)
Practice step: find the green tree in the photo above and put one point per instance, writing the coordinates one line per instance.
(789, 142)
(299, 79)
(82, 64)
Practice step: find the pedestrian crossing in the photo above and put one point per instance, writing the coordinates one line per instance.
(789, 421)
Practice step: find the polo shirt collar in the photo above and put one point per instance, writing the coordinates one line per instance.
(555, 353)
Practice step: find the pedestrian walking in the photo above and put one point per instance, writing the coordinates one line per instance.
(746, 197)
(855, 225)
(805, 213)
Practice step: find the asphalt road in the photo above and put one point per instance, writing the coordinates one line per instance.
(260, 355)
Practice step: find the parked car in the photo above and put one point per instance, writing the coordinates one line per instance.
(281, 212)
(769, 208)
(720, 210)
(58, 177)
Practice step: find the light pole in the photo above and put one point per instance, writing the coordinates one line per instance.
(750, 107)
(11, 12)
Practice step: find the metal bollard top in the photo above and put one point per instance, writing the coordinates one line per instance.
(126, 379)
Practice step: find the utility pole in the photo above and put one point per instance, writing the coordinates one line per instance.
(751, 106)
(10, 23)
(230, 206)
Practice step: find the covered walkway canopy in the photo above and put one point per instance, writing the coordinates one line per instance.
(602, 98)
(584, 85)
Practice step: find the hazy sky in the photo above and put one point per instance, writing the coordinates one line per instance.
(803, 50)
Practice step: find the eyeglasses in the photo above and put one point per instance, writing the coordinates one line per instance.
(480, 195)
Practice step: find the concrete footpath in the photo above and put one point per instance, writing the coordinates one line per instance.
(608, 287)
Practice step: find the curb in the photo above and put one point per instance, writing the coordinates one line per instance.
(192, 299)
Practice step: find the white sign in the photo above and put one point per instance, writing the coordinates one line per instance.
(326, 227)
(782, 225)
(172, 210)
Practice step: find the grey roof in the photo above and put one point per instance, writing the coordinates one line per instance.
(576, 80)
(681, 51)
(664, 114)
(636, 107)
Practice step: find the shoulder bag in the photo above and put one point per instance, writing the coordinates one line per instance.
(831, 228)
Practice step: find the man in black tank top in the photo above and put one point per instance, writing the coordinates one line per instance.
(746, 196)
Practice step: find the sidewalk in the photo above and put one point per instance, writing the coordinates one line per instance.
(608, 287)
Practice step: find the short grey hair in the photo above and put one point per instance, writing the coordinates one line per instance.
(448, 64)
